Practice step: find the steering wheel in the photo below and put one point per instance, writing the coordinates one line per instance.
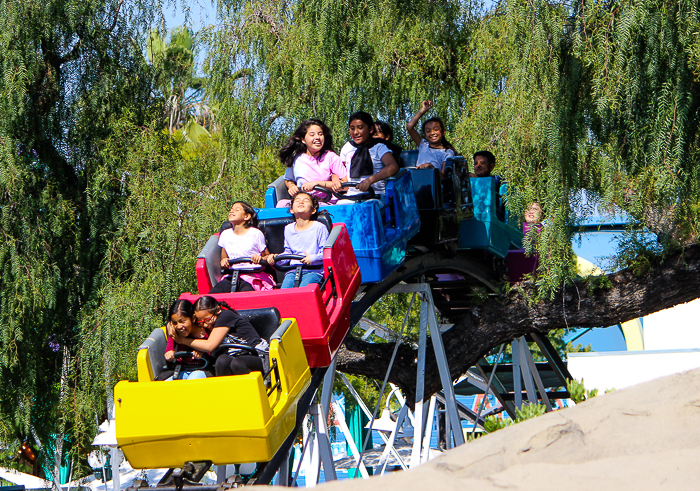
(370, 194)
(192, 362)
(240, 260)
(287, 267)
(225, 346)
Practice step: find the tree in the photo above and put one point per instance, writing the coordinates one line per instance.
(178, 82)
(589, 96)
(102, 210)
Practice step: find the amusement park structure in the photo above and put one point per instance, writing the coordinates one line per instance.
(435, 237)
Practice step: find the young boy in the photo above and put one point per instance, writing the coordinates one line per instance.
(484, 162)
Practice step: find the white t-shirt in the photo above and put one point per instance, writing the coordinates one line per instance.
(376, 153)
(433, 156)
(246, 245)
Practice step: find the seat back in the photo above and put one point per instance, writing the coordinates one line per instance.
(273, 229)
(409, 158)
(264, 321)
(150, 360)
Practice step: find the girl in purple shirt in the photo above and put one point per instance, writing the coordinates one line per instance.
(304, 236)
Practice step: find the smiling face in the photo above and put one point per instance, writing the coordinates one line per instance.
(303, 206)
(482, 167)
(204, 318)
(237, 214)
(314, 139)
(360, 132)
(434, 133)
(534, 213)
(182, 324)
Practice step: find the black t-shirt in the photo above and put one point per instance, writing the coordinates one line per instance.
(238, 326)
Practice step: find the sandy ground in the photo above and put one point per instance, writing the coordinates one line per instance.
(643, 437)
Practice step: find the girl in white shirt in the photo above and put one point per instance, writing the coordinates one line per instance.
(434, 149)
(243, 240)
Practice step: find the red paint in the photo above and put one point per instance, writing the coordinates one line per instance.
(323, 328)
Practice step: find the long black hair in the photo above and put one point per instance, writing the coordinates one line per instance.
(385, 129)
(182, 307)
(444, 141)
(249, 210)
(295, 146)
(211, 305)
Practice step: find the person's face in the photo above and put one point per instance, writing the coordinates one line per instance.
(204, 318)
(237, 214)
(482, 168)
(378, 133)
(303, 206)
(534, 213)
(314, 139)
(434, 133)
(360, 132)
(183, 325)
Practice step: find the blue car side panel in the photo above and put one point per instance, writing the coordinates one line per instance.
(485, 230)
(379, 248)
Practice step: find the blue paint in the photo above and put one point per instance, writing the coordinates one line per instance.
(485, 230)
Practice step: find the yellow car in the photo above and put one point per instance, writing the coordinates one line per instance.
(233, 419)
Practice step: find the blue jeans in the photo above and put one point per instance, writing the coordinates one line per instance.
(190, 375)
(307, 277)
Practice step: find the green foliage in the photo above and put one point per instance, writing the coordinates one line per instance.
(528, 411)
(178, 83)
(107, 192)
(578, 392)
(495, 423)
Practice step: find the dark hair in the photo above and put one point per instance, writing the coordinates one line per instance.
(385, 129)
(314, 203)
(211, 305)
(365, 118)
(183, 307)
(490, 158)
(444, 141)
(249, 210)
(295, 146)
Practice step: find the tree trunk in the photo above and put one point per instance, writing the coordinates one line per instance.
(503, 318)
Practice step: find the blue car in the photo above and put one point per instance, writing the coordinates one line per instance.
(379, 232)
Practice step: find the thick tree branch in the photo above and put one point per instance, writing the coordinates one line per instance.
(508, 316)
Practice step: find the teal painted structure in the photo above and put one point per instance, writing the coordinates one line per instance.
(485, 230)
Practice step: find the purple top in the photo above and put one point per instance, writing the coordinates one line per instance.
(527, 226)
(309, 241)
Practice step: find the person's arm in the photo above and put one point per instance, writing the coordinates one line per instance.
(292, 188)
(411, 126)
(224, 258)
(256, 258)
(207, 345)
(309, 186)
(390, 168)
(170, 350)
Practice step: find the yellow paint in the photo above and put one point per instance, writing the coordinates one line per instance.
(633, 331)
(222, 419)
(587, 268)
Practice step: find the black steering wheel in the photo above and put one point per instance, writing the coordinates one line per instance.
(223, 347)
(199, 363)
(240, 260)
(369, 194)
(287, 267)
